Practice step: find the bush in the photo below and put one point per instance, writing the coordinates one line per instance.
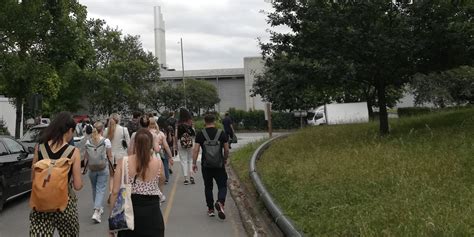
(3, 128)
(255, 120)
(413, 111)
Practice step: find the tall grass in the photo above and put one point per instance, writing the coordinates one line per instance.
(347, 181)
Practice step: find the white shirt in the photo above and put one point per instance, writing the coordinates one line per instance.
(120, 133)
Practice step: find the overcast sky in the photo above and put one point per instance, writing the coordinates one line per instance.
(216, 33)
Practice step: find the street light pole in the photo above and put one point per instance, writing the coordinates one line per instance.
(182, 68)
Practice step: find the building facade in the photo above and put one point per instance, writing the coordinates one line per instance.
(233, 84)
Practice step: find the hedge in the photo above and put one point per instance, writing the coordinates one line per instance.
(255, 120)
(413, 111)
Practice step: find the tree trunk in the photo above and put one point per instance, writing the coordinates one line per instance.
(370, 109)
(19, 113)
(383, 115)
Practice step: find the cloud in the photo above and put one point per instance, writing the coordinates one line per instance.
(216, 33)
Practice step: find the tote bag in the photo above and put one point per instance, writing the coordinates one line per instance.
(122, 213)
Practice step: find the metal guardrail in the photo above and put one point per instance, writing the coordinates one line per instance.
(283, 222)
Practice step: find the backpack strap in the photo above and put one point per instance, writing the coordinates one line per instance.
(69, 150)
(43, 151)
(206, 136)
(218, 134)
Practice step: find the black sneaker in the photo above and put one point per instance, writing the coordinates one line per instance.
(210, 212)
(220, 210)
(171, 171)
(186, 182)
(192, 180)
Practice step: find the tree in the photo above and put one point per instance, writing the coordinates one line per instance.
(200, 94)
(166, 95)
(339, 50)
(37, 38)
(121, 72)
(455, 86)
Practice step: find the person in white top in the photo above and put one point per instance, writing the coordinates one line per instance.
(97, 157)
(119, 138)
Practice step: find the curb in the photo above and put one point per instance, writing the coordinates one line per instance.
(283, 222)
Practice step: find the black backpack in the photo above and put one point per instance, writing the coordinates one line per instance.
(213, 157)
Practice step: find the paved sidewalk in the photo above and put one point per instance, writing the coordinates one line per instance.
(184, 211)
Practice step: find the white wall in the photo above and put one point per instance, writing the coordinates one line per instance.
(253, 66)
(8, 114)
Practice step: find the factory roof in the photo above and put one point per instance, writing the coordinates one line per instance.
(206, 73)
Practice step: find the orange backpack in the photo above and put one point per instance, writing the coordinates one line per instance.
(50, 190)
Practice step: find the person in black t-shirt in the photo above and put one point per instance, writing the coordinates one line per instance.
(228, 127)
(209, 174)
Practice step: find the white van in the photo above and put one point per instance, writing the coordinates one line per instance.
(339, 114)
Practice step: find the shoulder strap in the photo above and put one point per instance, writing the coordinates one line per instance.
(101, 142)
(123, 132)
(206, 136)
(218, 135)
(43, 151)
(69, 151)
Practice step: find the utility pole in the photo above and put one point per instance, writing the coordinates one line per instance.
(269, 119)
(182, 68)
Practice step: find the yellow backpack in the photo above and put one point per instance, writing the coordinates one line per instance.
(50, 187)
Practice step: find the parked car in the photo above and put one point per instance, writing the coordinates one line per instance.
(15, 169)
(31, 137)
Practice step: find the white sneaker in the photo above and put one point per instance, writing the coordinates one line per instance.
(97, 215)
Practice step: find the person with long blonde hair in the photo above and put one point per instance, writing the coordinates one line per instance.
(119, 138)
(98, 156)
(164, 147)
(145, 173)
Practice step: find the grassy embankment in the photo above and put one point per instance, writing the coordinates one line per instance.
(347, 181)
(240, 161)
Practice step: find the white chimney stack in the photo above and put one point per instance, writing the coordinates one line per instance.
(160, 42)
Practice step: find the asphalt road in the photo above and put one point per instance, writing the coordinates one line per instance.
(184, 212)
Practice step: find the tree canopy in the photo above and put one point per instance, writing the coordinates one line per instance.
(345, 51)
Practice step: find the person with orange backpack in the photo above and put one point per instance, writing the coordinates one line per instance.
(56, 170)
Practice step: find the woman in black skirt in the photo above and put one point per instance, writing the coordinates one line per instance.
(145, 172)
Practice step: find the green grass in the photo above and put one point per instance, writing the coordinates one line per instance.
(347, 181)
(240, 161)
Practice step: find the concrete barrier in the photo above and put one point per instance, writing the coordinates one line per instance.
(283, 222)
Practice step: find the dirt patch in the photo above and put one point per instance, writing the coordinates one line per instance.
(256, 219)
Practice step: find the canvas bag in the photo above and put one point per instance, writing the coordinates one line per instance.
(121, 217)
(213, 157)
(50, 187)
(97, 156)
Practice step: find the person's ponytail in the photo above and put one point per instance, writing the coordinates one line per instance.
(96, 131)
(111, 129)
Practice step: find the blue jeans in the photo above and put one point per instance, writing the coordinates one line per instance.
(166, 165)
(99, 186)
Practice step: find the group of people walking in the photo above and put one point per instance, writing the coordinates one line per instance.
(148, 150)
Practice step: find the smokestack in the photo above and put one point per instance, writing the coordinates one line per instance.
(160, 43)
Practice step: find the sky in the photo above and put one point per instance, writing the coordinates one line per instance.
(216, 33)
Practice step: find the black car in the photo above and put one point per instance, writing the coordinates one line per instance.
(31, 136)
(15, 169)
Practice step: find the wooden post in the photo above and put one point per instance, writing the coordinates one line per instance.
(269, 113)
